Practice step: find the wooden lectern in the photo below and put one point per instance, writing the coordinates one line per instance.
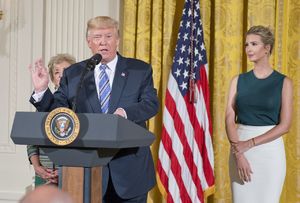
(100, 137)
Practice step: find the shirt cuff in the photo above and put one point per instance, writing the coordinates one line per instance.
(38, 96)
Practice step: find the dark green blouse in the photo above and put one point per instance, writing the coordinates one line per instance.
(258, 101)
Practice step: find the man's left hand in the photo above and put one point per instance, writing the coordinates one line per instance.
(121, 112)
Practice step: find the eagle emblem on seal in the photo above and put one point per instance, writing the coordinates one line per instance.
(62, 126)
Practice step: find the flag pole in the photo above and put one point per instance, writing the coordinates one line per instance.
(192, 91)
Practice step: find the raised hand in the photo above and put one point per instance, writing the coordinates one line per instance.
(39, 76)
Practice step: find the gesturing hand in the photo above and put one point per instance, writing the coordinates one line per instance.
(39, 76)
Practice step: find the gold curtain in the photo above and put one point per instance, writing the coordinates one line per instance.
(149, 32)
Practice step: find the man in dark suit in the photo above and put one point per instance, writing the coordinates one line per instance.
(130, 175)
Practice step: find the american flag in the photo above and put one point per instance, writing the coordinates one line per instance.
(185, 165)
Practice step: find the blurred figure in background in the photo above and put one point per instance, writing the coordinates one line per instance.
(47, 194)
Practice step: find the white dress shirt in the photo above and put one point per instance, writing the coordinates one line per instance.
(110, 71)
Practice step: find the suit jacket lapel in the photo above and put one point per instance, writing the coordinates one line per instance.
(91, 92)
(118, 84)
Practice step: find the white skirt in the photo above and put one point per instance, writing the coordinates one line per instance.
(268, 164)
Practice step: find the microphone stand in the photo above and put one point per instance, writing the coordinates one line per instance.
(91, 63)
(84, 72)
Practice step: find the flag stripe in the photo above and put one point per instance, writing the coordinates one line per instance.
(177, 163)
(175, 191)
(208, 157)
(187, 138)
(202, 84)
(183, 146)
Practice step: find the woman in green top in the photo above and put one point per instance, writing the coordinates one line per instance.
(259, 112)
(44, 169)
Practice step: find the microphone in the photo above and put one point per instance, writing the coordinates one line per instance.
(93, 61)
(90, 66)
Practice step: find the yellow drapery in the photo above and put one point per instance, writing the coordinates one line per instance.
(149, 32)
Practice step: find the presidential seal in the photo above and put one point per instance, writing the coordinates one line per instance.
(62, 126)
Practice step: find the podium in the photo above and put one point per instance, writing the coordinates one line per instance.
(100, 138)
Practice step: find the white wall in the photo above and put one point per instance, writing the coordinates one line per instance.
(31, 29)
(65, 24)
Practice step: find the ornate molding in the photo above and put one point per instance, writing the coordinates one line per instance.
(6, 144)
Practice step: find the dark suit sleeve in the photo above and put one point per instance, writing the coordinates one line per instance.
(147, 105)
(45, 104)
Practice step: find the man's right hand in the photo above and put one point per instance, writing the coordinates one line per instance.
(39, 76)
